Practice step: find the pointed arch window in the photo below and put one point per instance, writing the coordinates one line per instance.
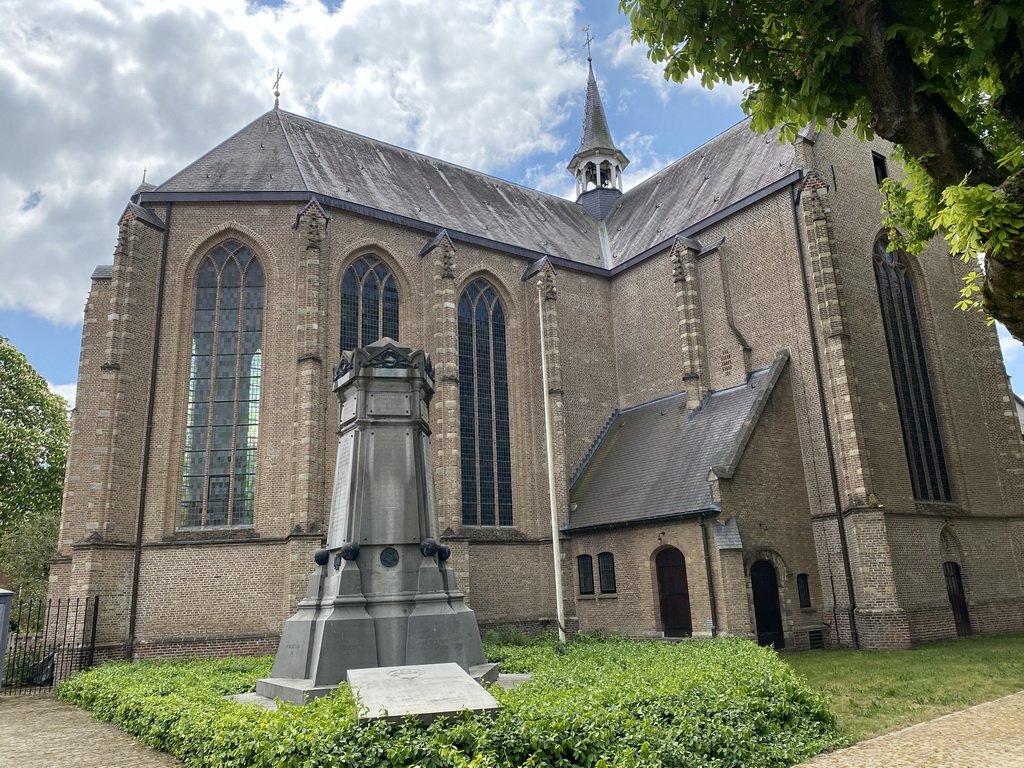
(483, 408)
(225, 372)
(916, 403)
(369, 303)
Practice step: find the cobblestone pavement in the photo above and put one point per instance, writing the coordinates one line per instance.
(37, 731)
(989, 735)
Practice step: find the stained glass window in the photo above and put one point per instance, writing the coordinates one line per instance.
(369, 304)
(483, 408)
(916, 404)
(585, 568)
(222, 426)
(606, 572)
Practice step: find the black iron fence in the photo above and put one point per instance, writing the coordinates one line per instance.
(47, 641)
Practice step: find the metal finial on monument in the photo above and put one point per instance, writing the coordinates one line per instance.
(586, 43)
(277, 89)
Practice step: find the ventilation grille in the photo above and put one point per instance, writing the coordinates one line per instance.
(816, 639)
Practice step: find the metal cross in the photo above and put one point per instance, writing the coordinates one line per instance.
(277, 83)
(588, 41)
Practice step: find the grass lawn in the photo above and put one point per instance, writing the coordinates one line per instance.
(874, 692)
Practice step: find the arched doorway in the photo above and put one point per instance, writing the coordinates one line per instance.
(764, 585)
(957, 600)
(673, 593)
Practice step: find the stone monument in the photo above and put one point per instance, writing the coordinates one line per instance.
(382, 594)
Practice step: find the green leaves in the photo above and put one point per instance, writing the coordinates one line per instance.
(601, 702)
(34, 431)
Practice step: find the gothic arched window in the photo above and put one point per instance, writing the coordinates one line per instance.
(218, 480)
(925, 457)
(369, 303)
(483, 408)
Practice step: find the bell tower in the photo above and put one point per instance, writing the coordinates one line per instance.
(598, 163)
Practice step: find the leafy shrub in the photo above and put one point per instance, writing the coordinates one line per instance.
(597, 703)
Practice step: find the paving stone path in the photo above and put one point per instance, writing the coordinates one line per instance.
(989, 735)
(37, 731)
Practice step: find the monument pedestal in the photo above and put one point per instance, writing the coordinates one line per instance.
(382, 594)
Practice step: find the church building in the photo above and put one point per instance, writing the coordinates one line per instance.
(741, 411)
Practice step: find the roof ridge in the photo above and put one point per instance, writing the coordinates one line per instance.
(232, 137)
(433, 159)
(288, 140)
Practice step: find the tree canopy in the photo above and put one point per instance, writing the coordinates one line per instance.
(34, 432)
(942, 79)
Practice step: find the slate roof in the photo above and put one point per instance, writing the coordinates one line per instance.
(652, 460)
(726, 169)
(596, 135)
(281, 152)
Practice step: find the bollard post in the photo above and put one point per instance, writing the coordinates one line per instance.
(6, 604)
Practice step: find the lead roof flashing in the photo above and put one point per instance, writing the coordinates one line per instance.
(697, 514)
(536, 267)
(435, 241)
(144, 215)
(313, 203)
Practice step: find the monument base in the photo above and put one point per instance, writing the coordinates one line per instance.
(425, 691)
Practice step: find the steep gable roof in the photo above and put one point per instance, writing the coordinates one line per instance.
(284, 153)
(726, 169)
(281, 151)
(652, 460)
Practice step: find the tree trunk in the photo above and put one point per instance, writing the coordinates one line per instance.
(902, 113)
(1003, 289)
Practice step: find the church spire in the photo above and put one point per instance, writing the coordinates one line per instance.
(598, 163)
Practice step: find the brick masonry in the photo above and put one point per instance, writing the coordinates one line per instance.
(678, 319)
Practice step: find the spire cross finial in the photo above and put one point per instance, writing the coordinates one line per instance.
(144, 169)
(277, 88)
(586, 43)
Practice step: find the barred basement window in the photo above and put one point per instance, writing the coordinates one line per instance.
(483, 408)
(925, 457)
(606, 572)
(803, 589)
(369, 304)
(222, 427)
(585, 568)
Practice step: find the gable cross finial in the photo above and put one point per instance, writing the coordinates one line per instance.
(277, 89)
(586, 43)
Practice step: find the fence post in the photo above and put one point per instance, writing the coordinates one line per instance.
(6, 604)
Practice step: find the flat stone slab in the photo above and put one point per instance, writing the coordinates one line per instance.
(255, 699)
(296, 691)
(427, 691)
(508, 681)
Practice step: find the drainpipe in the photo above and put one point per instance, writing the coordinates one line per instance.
(825, 423)
(711, 584)
(556, 544)
(133, 613)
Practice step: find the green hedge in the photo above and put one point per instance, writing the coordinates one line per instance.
(609, 703)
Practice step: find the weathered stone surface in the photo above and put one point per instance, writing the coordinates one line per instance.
(427, 691)
(382, 594)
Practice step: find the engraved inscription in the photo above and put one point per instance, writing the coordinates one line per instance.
(338, 525)
(388, 404)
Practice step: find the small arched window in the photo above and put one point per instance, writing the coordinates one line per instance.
(483, 408)
(225, 371)
(916, 404)
(606, 572)
(585, 569)
(369, 303)
(803, 589)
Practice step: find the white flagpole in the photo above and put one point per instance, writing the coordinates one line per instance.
(556, 545)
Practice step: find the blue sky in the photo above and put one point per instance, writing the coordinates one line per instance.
(102, 91)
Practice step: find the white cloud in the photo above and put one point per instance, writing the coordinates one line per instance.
(99, 91)
(67, 391)
(625, 53)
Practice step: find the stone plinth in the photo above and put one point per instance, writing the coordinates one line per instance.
(382, 594)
